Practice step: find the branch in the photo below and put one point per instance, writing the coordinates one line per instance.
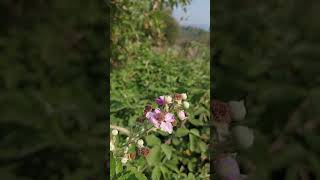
(120, 129)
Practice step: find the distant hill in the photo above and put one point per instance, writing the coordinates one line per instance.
(189, 33)
(205, 27)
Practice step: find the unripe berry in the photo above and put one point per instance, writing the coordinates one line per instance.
(238, 110)
(243, 136)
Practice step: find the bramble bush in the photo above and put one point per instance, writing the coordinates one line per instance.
(184, 153)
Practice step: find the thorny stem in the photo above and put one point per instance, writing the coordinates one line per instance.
(121, 129)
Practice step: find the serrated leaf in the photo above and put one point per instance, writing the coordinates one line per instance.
(167, 150)
(155, 156)
(182, 132)
(165, 172)
(153, 140)
(195, 132)
(156, 173)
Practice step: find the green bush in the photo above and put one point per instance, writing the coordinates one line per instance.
(138, 84)
(172, 29)
(136, 22)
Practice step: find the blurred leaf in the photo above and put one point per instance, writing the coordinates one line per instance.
(182, 132)
(152, 140)
(155, 156)
(167, 150)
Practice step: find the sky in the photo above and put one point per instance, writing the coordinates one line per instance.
(198, 14)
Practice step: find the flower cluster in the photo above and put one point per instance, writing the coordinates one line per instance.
(169, 107)
(226, 119)
(162, 118)
(128, 152)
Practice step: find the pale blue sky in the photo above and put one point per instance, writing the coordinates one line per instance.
(198, 14)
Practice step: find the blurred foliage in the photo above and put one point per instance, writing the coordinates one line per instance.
(136, 22)
(52, 89)
(172, 29)
(189, 33)
(268, 51)
(154, 74)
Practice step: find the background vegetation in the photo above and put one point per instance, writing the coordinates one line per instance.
(268, 52)
(147, 61)
(52, 89)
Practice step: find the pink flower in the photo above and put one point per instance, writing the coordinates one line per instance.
(161, 120)
(167, 127)
(160, 101)
(182, 115)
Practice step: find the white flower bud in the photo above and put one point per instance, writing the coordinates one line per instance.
(238, 110)
(186, 104)
(184, 96)
(182, 115)
(140, 143)
(124, 160)
(168, 99)
(112, 148)
(115, 132)
(126, 150)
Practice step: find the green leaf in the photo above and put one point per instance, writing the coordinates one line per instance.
(132, 148)
(112, 166)
(167, 150)
(195, 132)
(156, 173)
(196, 122)
(153, 140)
(182, 132)
(139, 175)
(119, 167)
(155, 156)
(202, 146)
(191, 176)
(165, 172)
(193, 142)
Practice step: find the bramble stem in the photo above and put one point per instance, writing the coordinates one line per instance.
(120, 129)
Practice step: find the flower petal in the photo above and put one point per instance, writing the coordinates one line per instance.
(149, 115)
(169, 117)
(167, 127)
(154, 122)
(157, 111)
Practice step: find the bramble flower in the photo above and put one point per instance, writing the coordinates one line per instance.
(161, 120)
(115, 132)
(184, 96)
(186, 105)
(124, 160)
(182, 115)
(178, 98)
(168, 99)
(147, 109)
(160, 101)
(140, 143)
